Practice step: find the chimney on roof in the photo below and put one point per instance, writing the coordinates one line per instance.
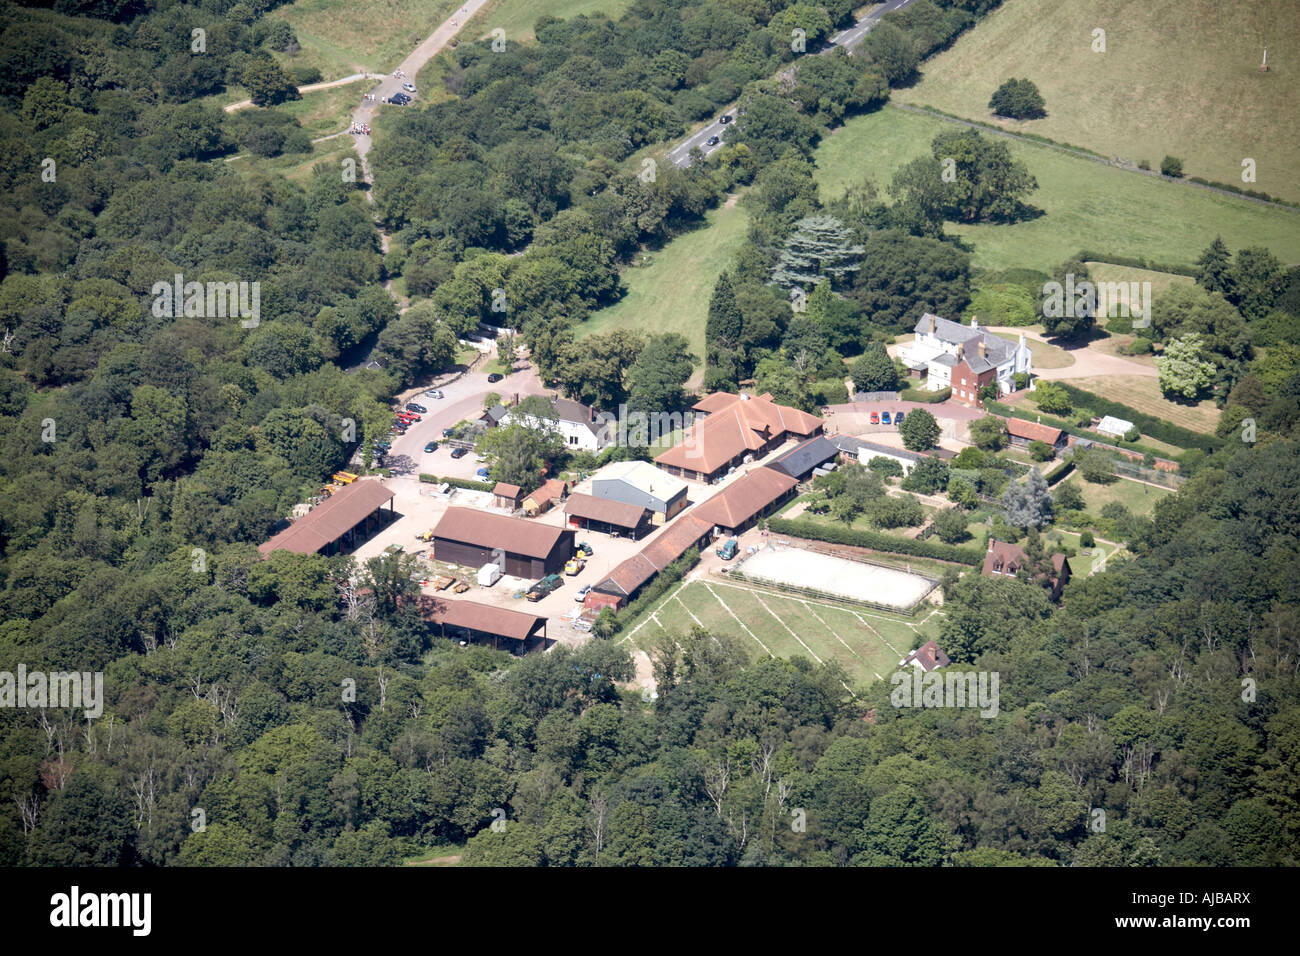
(932, 323)
(984, 349)
(974, 321)
(991, 542)
(961, 352)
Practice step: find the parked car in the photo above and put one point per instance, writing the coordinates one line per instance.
(712, 141)
(412, 407)
(458, 453)
(495, 377)
(725, 118)
(898, 418)
(582, 592)
(728, 549)
(482, 473)
(584, 549)
(875, 418)
(409, 87)
(884, 418)
(436, 394)
(431, 447)
(448, 432)
(401, 99)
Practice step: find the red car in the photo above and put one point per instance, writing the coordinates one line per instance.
(875, 418)
(408, 417)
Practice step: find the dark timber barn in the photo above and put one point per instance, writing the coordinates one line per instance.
(532, 550)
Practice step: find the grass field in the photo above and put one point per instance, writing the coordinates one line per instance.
(671, 294)
(869, 644)
(517, 17)
(340, 38)
(1086, 204)
(1134, 495)
(1143, 393)
(1178, 77)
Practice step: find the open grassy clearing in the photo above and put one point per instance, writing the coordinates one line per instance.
(298, 166)
(1086, 204)
(340, 38)
(518, 17)
(1178, 77)
(1139, 498)
(867, 643)
(1143, 393)
(671, 293)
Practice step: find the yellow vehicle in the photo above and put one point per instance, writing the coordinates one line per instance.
(345, 477)
(574, 565)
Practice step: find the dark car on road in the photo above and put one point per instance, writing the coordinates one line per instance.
(458, 453)
(412, 407)
(495, 377)
(432, 446)
(725, 118)
(712, 141)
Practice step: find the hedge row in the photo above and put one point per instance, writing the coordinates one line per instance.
(922, 395)
(1059, 472)
(1147, 424)
(816, 531)
(1252, 193)
(466, 483)
(1134, 262)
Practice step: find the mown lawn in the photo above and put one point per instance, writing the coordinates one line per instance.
(1087, 205)
(1139, 498)
(1178, 77)
(868, 644)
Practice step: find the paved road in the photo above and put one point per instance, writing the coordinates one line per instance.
(680, 155)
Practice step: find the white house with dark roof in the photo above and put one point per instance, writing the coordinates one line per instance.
(964, 357)
(578, 423)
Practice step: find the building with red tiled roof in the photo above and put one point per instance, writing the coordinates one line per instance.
(927, 657)
(736, 507)
(1023, 432)
(1003, 557)
(549, 493)
(616, 589)
(734, 427)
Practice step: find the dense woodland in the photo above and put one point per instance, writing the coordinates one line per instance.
(142, 458)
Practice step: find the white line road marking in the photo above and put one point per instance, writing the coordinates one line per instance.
(829, 628)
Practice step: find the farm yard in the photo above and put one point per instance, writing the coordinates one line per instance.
(867, 643)
(1177, 77)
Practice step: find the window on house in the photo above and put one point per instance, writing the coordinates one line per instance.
(573, 439)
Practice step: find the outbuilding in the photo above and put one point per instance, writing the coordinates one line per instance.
(526, 549)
